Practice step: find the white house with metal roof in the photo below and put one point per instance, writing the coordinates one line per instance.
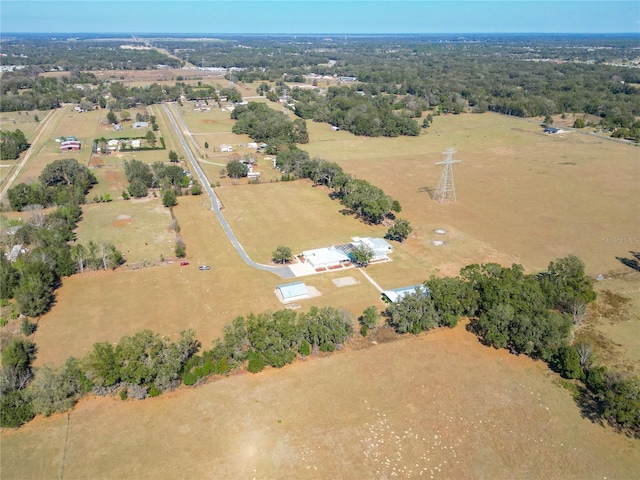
(326, 257)
(380, 247)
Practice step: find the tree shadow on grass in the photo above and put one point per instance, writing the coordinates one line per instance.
(633, 262)
(589, 406)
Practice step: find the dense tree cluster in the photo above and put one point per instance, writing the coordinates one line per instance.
(140, 177)
(12, 144)
(263, 124)
(349, 108)
(275, 338)
(61, 182)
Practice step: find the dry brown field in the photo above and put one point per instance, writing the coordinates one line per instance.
(24, 121)
(439, 404)
(435, 406)
(523, 196)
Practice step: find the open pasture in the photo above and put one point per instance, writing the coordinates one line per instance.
(293, 214)
(23, 121)
(524, 196)
(140, 229)
(168, 298)
(437, 406)
(143, 78)
(613, 323)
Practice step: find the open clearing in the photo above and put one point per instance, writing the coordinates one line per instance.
(523, 196)
(434, 406)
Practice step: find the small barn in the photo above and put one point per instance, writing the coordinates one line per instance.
(226, 148)
(392, 296)
(141, 125)
(289, 292)
(69, 145)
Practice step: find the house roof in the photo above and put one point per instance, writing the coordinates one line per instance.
(397, 293)
(324, 256)
(379, 246)
(292, 290)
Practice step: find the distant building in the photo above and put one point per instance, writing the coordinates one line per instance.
(553, 130)
(141, 125)
(226, 148)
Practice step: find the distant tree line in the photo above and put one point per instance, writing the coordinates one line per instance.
(399, 77)
(517, 75)
(86, 54)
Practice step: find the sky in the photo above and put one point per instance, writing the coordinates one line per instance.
(320, 17)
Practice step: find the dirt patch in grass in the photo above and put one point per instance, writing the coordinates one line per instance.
(122, 220)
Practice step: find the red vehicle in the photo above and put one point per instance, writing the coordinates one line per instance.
(184, 264)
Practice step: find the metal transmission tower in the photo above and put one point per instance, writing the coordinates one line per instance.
(446, 189)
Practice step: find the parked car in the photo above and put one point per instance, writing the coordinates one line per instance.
(184, 264)
(204, 267)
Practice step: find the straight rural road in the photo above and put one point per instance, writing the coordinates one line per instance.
(182, 131)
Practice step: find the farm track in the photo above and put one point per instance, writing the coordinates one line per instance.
(44, 127)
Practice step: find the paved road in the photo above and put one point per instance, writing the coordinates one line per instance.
(182, 130)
